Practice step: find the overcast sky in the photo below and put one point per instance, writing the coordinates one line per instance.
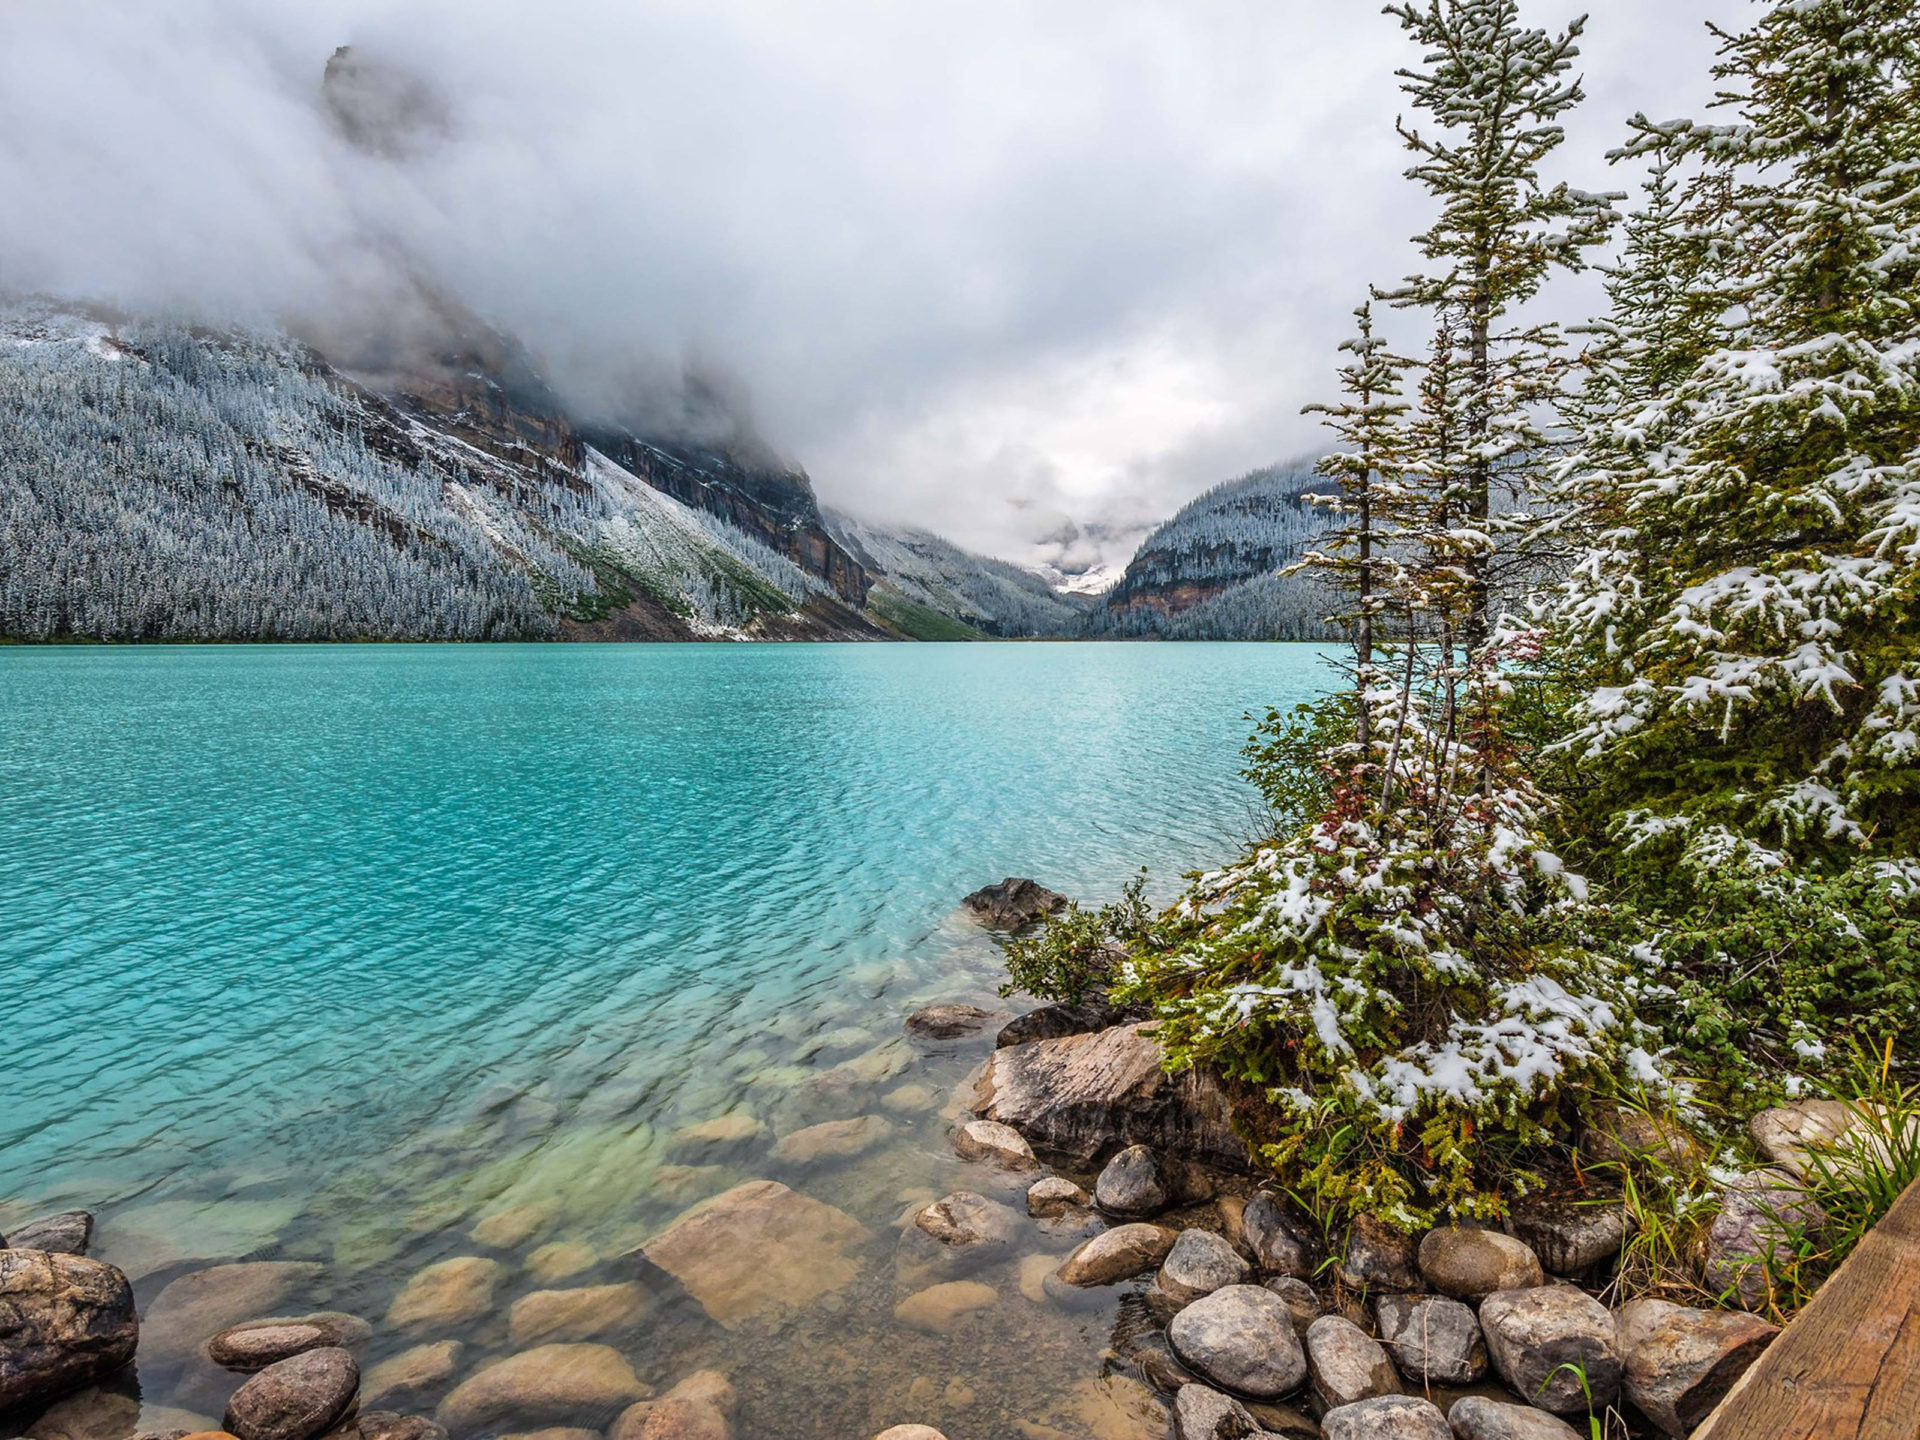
(1003, 268)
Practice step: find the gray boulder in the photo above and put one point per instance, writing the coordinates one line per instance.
(1201, 1413)
(65, 1321)
(1379, 1257)
(296, 1398)
(1200, 1263)
(1241, 1338)
(950, 1022)
(995, 1143)
(1475, 1417)
(1015, 903)
(1131, 1184)
(1387, 1417)
(1302, 1303)
(1680, 1362)
(1281, 1243)
(68, 1233)
(1569, 1236)
(1346, 1363)
(1055, 1196)
(1050, 1022)
(1759, 1214)
(1532, 1333)
(1434, 1339)
(1472, 1264)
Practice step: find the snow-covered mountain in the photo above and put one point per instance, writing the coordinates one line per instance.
(924, 585)
(1212, 571)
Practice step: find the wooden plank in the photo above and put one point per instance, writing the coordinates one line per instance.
(1848, 1367)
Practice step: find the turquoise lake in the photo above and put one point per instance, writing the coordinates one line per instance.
(331, 953)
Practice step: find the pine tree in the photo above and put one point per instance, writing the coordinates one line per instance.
(1495, 90)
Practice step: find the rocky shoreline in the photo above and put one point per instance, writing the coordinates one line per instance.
(1239, 1316)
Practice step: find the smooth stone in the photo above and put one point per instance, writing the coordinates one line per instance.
(1015, 903)
(1081, 1095)
(1571, 1237)
(1635, 1137)
(1758, 1214)
(940, 1309)
(723, 1132)
(1203, 1413)
(561, 1260)
(1199, 1264)
(911, 1099)
(586, 1313)
(1055, 1196)
(445, 1294)
(92, 1413)
(1051, 1022)
(999, 1144)
(695, 1409)
(1472, 1264)
(1302, 1302)
(1434, 1339)
(388, 1425)
(1476, 1417)
(415, 1375)
(1680, 1362)
(513, 1226)
(296, 1398)
(950, 1022)
(1241, 1338)
(1117, 1254)
(1532, 1333)
(67, 1233)
(194, 1308)
(1032, 1274)
(548, 1385)
(1379, 1257)
(1131, 1184)
(964, 1218)
(910, 1432)
(1280, 1243)
(833, 1140)
(553, 1432)
(1786, 1134)
(877, 1066)
(1386, 1417)
(65, 1321)
(256, 1346)
(1346, 1363)
(759, 1247)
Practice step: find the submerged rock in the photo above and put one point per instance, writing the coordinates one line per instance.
(1083, 1094)
(1472, 1264)
(833, 1140)
(1532, 1333)
(991, 1141)
(1476, 1417)
(1241, 1338)
(295, 1399)
(65, 1234)
(1434, 1339)
(695, 1409)
(194, 1308)
(950, 1022)
(585, 1313)
(939, 1309)
(389, 1425)
(736, 1130)
(446, 1294)
(1386, 1417)
(414, 1376)
(1199, 1264)
(1680, 1362)
(65, 1321)
(1117, 1254)
(759, 1247)
(1015, 903)
(549, 1385)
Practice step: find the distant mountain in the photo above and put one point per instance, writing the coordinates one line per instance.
(1212, 571)
(925, 586)
(163, 483)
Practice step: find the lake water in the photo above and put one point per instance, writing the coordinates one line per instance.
(334, 954)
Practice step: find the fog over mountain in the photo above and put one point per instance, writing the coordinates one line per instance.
(1028, 276)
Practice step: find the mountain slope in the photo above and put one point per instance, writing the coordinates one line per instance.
(924, 580)
(1212, 571)
(160, 483)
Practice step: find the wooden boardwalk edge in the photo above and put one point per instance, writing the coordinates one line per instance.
(1848, 1366)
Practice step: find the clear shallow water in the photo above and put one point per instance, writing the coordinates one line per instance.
(330, 953)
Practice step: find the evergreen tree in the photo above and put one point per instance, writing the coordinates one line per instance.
(1495, 90)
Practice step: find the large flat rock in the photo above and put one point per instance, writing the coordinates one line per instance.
(1085, 1095)
(758, 1247)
